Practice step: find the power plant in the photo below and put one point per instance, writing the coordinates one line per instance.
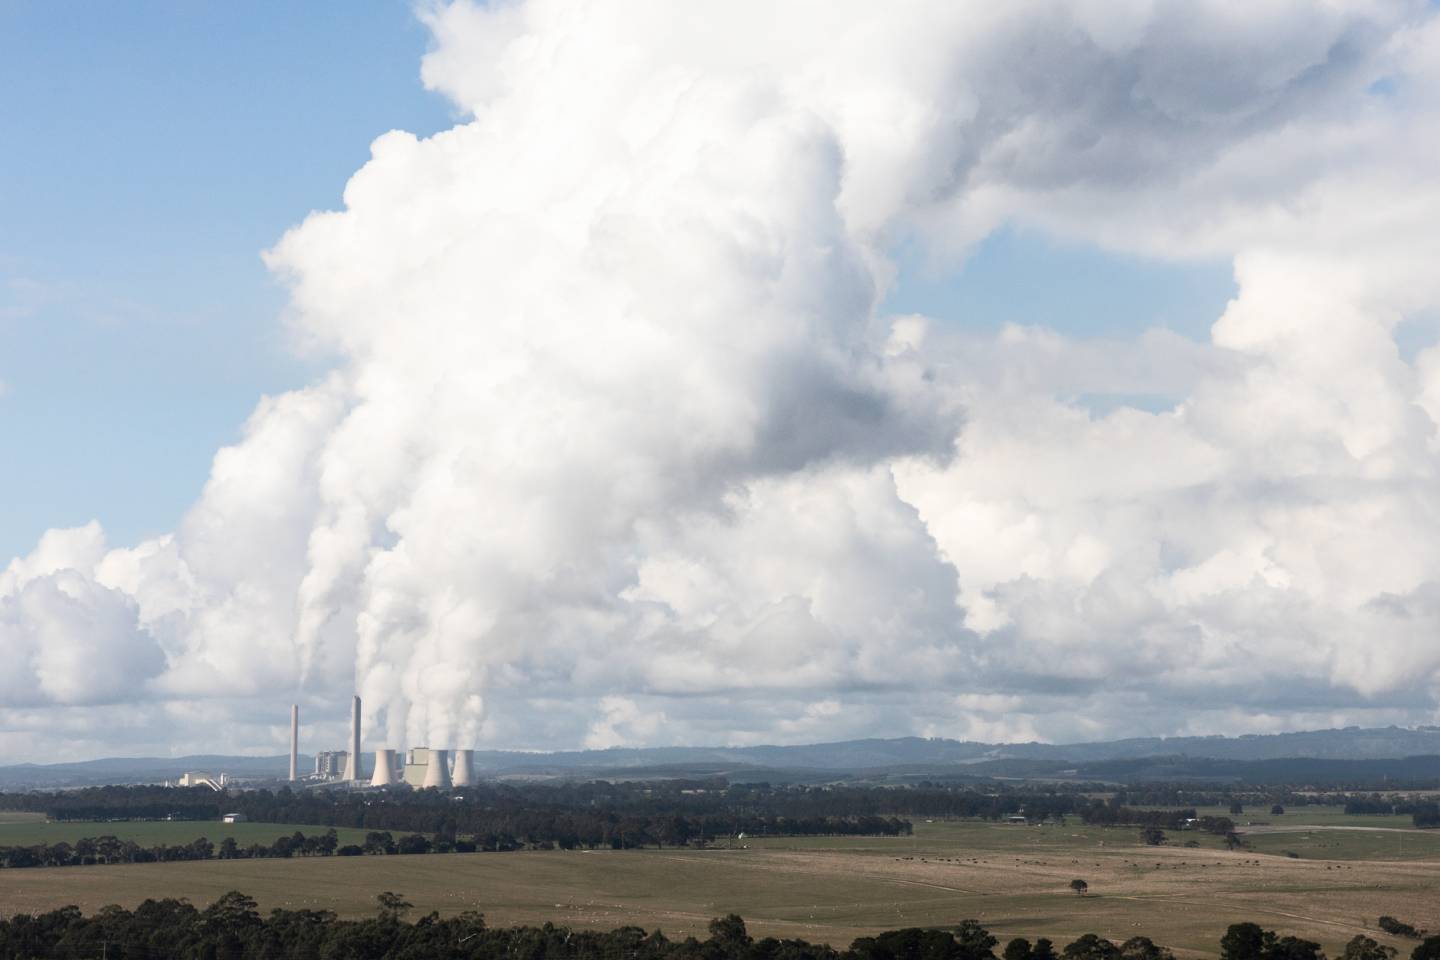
(420, 767)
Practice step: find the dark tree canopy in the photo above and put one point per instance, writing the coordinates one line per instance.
(233, 928)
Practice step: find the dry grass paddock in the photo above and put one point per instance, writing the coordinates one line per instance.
(1014, 879)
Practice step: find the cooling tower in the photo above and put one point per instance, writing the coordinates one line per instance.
(294, 741)
(464, 774)
(352, 762)
(437, 772)
(384, 774)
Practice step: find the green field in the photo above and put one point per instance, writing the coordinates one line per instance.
(1014, 879)
(1326, 816)
(1311, 832)
(149, 833)
(1327, 833)
(16, 816)
(1342, 844)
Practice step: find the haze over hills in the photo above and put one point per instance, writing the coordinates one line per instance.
(1331, 754)
(1352, 743)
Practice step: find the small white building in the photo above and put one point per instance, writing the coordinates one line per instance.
(234, 818)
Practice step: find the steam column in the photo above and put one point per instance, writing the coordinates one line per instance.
(294, 741)
(352, 762)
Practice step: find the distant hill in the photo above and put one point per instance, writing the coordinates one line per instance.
(903, 758)
(1351, 743)
(1370, 772)
(127, 770)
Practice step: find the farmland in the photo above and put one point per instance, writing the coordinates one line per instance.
(1014, 879)
(25, 829)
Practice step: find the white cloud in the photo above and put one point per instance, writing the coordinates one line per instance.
(65, 638)
(618, 452)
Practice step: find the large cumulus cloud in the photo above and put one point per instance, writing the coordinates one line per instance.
(620, 446)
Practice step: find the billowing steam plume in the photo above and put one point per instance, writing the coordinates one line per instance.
(619, 445)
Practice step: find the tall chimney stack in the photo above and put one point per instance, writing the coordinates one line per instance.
(352, 763)
(294, 742)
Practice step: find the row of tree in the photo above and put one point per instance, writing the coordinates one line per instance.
(1423, 813)
(1115, 814)
(668, 813)
(498, 817)
(109, 849)
(93, 851)
(568, 833)
(424, 809)
(233, 928)
(694, 797)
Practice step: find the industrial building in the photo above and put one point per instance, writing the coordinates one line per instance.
(419, 767)
(195, 778)
(329, 764)
(418, 763)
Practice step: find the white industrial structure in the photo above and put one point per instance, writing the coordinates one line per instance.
(420, 767)
(437, 772)
(352, 763)
(294, 742)
(384, 775)
(416, 760)
(194, 778)
(464, 773)
(329, 764)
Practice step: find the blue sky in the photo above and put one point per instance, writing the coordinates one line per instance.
(152, 150)
(1018, 276)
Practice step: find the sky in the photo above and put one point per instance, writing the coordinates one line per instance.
(758, 375)
(152, 151)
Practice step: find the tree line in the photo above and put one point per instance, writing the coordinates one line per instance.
(233, 928)
(649, 798)
(1113, 813)
(648, 813)
(496, 817)
(1423, 813)
(712, 807)
(109, 849)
